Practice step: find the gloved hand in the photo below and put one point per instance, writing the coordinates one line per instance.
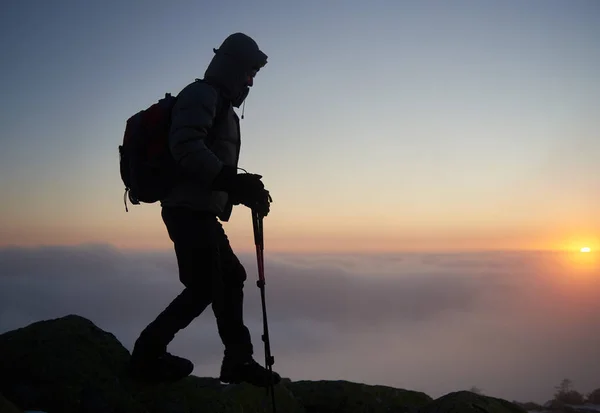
(246, 189)
(262, 205)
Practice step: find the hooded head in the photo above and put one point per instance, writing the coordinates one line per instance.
(234, 65)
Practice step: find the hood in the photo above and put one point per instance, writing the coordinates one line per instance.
(233, 61)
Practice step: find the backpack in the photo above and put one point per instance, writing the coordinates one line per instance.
(147, 168)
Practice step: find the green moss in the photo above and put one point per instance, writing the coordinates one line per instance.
(253, 400)
(187, 394)
(59, 359)
(468, 402)
(7, 407)
(337, 396)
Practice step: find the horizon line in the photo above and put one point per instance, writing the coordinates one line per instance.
(288, 252)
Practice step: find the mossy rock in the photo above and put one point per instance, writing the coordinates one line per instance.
(531, 406)
(348, 397)
(250, 399)
(65, 364)
(194, 394)
(50, 365)
(469, 402)
(7, 407)
(69, 365)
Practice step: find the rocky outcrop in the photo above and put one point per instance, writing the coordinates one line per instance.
(6, 406)
(69, 365)
(343, 396)
(467, 402)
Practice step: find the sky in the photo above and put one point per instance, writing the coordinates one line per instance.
(514, 324)
(433, 167)
(377, 126)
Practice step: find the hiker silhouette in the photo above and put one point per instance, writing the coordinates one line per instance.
(204, 140)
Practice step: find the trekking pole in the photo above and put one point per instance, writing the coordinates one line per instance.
(257, 223)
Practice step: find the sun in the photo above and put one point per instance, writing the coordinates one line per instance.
(585, 249)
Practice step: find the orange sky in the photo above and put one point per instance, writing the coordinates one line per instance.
(142, 228)
(481, 135)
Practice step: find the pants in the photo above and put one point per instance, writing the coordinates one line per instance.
(211, 274)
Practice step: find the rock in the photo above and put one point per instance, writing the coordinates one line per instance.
(531, 406)
(343, 396)
(7, 406)
(47, 365)
(469, 402)
(93, 400)
(203, 392)
(69, 365)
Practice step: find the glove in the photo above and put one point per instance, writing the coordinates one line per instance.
(246, 188)
(262, 205)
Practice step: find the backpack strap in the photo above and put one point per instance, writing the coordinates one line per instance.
(221, 106)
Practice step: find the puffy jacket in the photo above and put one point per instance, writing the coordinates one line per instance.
(201, 141)
(205, 130)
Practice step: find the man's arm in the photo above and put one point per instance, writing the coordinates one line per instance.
(191, 119)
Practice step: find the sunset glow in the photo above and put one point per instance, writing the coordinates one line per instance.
(443, 167)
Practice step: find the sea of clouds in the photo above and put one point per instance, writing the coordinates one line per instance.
(511, 323)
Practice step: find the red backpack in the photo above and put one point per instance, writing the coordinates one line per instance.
(148, 169)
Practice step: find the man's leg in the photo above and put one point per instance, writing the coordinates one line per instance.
(228, 306)
(194, 248)
(150, 359)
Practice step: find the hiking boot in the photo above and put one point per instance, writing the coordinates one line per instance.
(163, 368)
(247, 371)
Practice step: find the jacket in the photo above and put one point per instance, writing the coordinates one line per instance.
(204, 135)
(205, 130)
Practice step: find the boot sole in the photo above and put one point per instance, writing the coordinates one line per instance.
(229, 380)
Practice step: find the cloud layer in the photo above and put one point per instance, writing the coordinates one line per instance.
(514, 324)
